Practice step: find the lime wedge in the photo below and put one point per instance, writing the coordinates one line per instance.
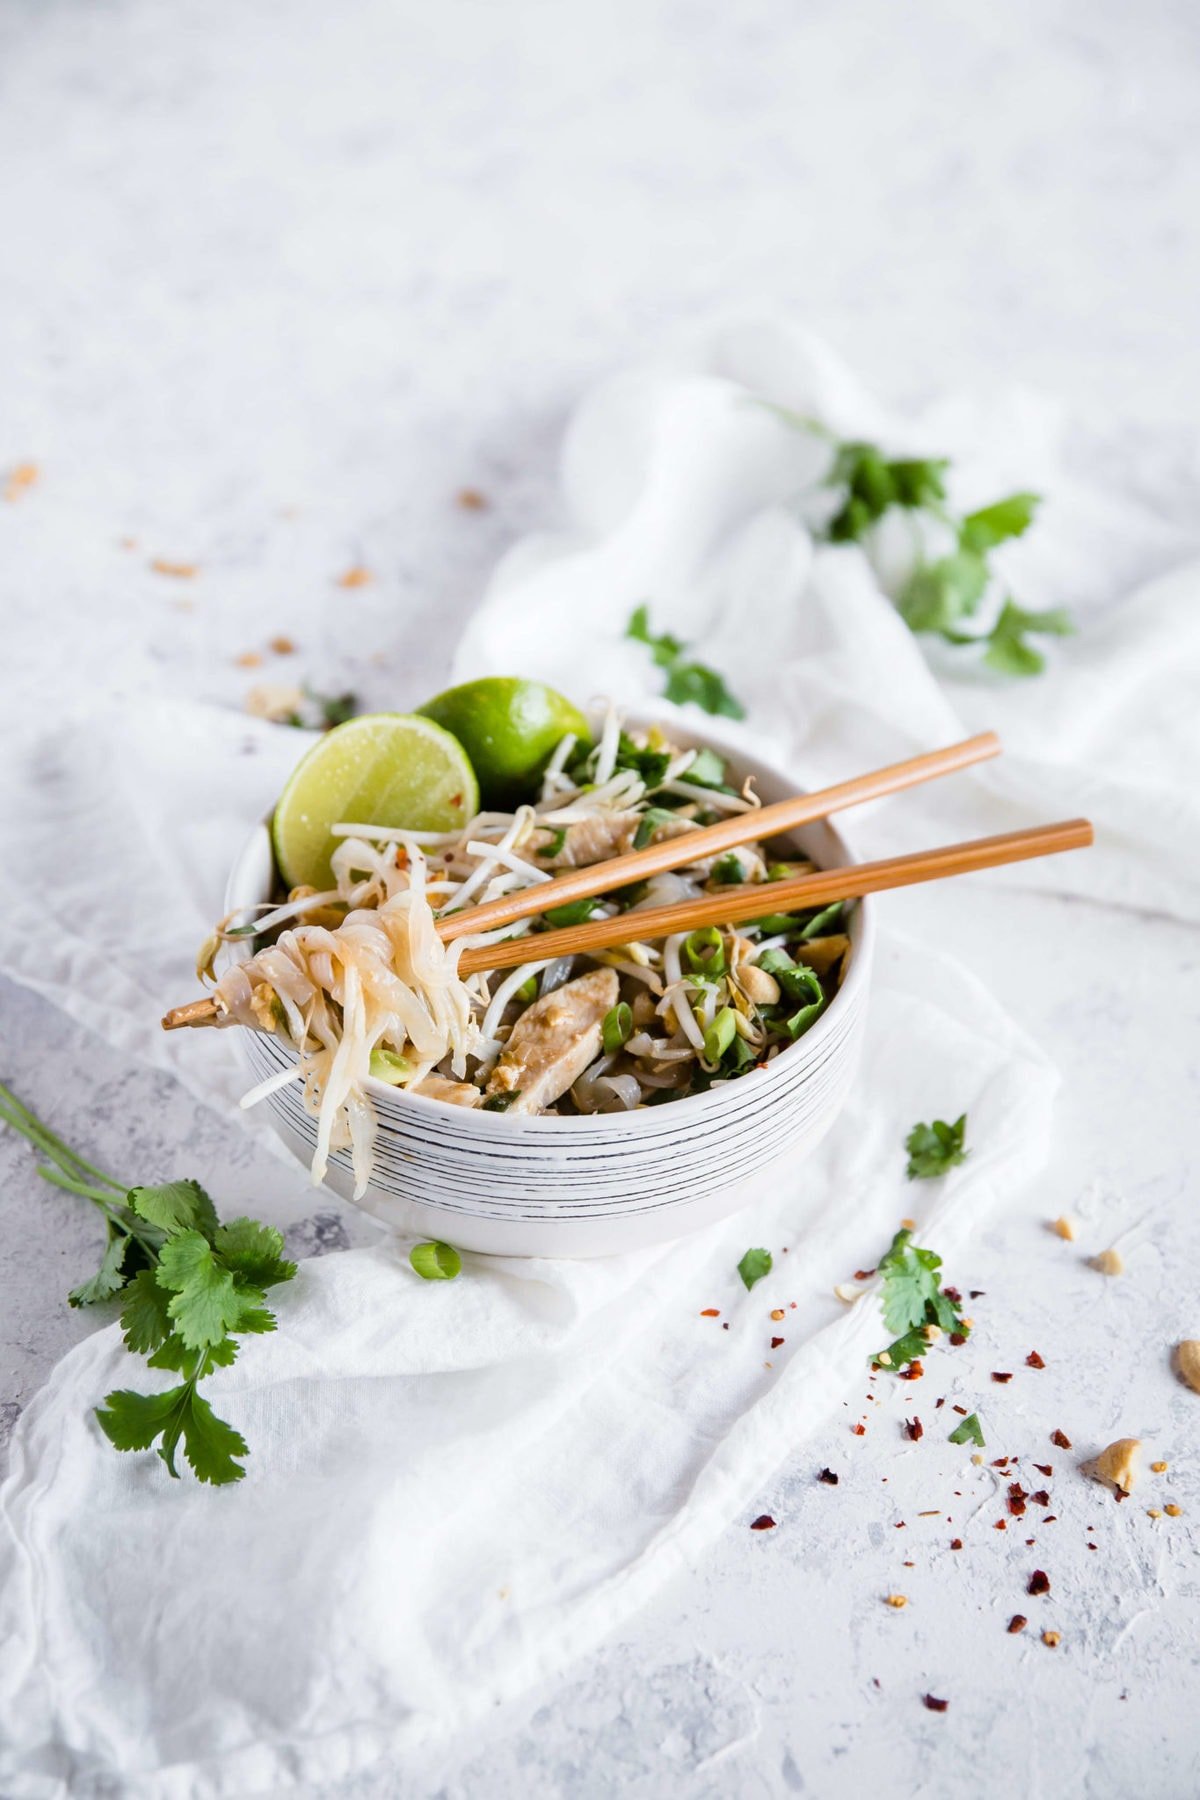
(381, 769)
(509, 728)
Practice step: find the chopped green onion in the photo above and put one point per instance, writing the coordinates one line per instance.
(727, 871)
(649, 824)
(704, 952)
(780, 871)
(387, 1065)
(822, 921)
(707, 770)
(720, 1034)
(500, 1102)
(575, 912)
(557, 840)
(774, 923)
(435, 1262)
(617, 1028)
(527, 991)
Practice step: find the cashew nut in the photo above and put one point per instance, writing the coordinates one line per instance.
(1188, 1358)
(757, 985)
(1118, 1465)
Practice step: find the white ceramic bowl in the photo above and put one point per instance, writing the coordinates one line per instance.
(607, 1182)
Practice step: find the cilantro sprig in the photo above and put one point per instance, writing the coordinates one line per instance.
(943, 596)
(687, 679)
(190, 1286)
(934, 1149)
(913, 1300)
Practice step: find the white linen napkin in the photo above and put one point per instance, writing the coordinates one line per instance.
(523, 1455)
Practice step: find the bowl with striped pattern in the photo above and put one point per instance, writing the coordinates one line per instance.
(508, 1184)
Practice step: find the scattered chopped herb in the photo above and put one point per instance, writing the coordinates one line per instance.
(969, 1432)
(436, 1261)
(575, 912)
(754, 1265)
(500, 1102)
(648, 824)
(720, 1034)
(557, 839)
(704, 951)
(707, 770)
(651, 765)
(617, 1027)
(933, 1149)
(687, 680)
(727, 871)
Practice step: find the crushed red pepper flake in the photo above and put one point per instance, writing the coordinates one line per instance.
(355, 577)
(859, 1430)
(1061, 1439)
(1034, 1361)
(1001, 1375)
(711, 1312)
(1040, 1498)
(1016, 1499)
(1018, 1622)
(1050, 1519)
(828, 1477)
(914, 1371)
(957, 1338)
(764, 1522)
(1001, 1525)
(914, 1429)
(1039, 1582)
(956, 1543)
(1030, 1542)
(863, 1274)
(960, 1409)
(934, 1704)
(471, 500)
(1001, 1462)
(940, 1402)
(1044, 1468)
(775, 1343)
(952, 1294)
(978, 1293)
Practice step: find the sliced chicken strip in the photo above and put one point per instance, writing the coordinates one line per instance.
(553, 1042)
(456, 1093)
(594, 840)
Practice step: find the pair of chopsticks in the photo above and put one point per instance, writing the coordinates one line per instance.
(733, 905)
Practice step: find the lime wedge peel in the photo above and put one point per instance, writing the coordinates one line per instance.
(393, 769)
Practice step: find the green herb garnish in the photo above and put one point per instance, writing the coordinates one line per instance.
(190, 1286)
(704, 952)
(913, 1298)
(500, 1102)
(436, 1261)
(575, 912)
(686, 680)
(616, 1029)
(648, 824)
(720, 1034)
(727, 871)
(754, 1265)
(970, 1431)
(933, 1149)
(527, 991)
(557, 839)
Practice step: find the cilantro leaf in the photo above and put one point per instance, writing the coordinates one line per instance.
(253, 1251)
(109, 1278)
(211, 1445)
(970, 1431)
(1007, 649)
(995, 524)
(132, 1421)
(933, 1149)
(727, 871)
(704, 687)
(754, 1265)
(206, 1302)
(145, 1319)
(939, 595)
(176, 1206)
(873, 483)
(913, 1298)
(687, 680)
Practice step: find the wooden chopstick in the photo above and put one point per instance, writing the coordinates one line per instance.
(711, 840)
(735, 905)
(677, 852)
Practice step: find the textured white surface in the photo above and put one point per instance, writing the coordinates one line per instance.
(267, 258)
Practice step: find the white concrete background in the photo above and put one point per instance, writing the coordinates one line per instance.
(278, 280)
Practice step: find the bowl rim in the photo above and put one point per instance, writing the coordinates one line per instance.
(396, 1100)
